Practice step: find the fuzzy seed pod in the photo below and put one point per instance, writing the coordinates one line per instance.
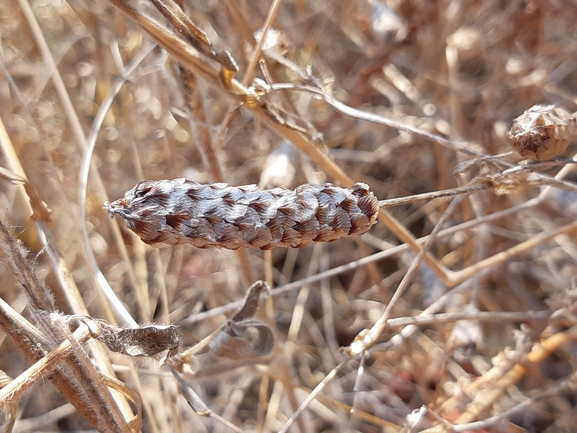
(542, 132)
(171, 212)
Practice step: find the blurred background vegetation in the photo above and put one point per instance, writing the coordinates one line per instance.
(458, 69)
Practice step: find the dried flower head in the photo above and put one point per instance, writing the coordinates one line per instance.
(172, 212)
(542, 132)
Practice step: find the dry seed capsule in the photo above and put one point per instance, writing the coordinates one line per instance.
(542, 132)
(179, 211)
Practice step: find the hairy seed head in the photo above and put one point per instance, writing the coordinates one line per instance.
(171, 212)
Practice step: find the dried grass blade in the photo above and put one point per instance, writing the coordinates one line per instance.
(40, 211)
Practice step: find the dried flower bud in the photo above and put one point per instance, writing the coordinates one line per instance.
(172, 212)
(542, 132)
(242, 340)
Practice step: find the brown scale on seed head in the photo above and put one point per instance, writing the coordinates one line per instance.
(171, 212)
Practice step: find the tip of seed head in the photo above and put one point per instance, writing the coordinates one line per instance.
(106, 205)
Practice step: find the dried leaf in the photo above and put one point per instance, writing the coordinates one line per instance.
(243, 340)
(250, 305)
(197, 38)
(145, 341)
(242, 336)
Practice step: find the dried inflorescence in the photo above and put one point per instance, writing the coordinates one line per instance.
(242, 340)
(542, 132)
(172, 212)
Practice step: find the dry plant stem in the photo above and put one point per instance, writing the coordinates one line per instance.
(48, 58)
(292, 334)
(185, 55)
(485, 398)
(198, 405)
(161, 272)
(329, 328)
(360, 414)
(503, 257)
(255, 55)
(555, 391)
(174, 45)
(352, 424)
(72, 378)
(32, 343)
(78, 307)
(14, 257)
(41, 369)
(287, 383)
(175, 14)
(482, 316)
(100, 384)
(435, 195)
(313, 394)
(363, 342)
(456, 118)
(197, 118)
(452, 58)
(262, 403)
(265, 379)
(273, 404)
(69, 109)
(29, 339)
(144, 397)
(239, 21)
(429, 314)
(309, 280)
(460, 146)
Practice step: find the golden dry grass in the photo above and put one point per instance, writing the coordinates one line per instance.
(475, 330)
